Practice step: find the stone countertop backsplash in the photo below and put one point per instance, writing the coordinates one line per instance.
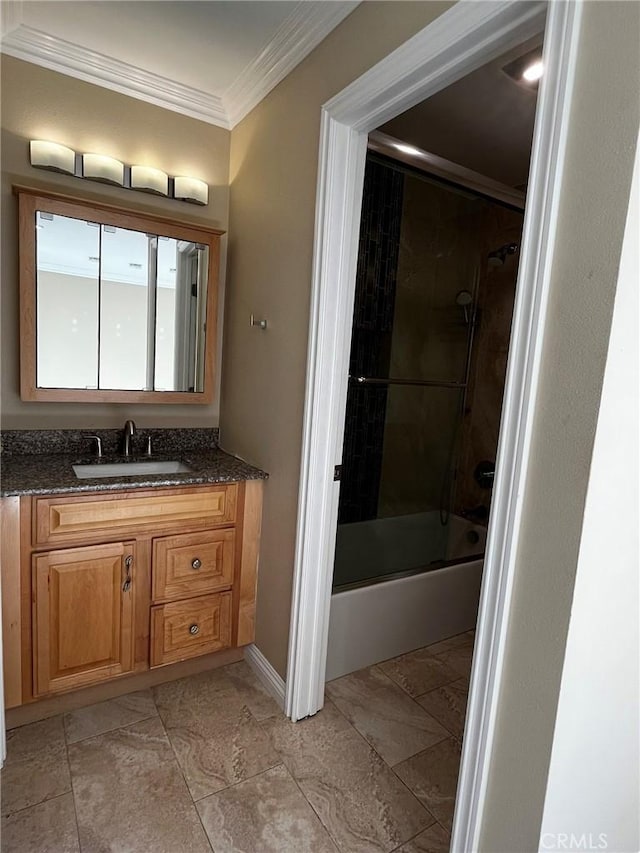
(39, 462)
(169, 440)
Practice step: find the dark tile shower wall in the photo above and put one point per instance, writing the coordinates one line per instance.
(371, 341)
(481, 422)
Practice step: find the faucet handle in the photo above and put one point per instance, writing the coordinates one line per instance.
(98, 441)
(149, 447)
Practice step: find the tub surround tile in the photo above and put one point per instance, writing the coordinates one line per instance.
(109, 715)
(448, 705)
(49, 827)
(385, 716)
(259, 702)
(267, 813)
(432, 840)
(36, 768)
(418, 672)
(130, 794)
(433, 777)
(359, 800)
(216, 740)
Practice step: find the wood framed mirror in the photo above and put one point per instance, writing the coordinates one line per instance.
(115, 306)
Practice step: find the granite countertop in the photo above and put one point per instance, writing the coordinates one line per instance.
(42, 472)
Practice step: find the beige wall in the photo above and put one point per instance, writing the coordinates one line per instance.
(274, 156)
(38, 103)
(594, 204)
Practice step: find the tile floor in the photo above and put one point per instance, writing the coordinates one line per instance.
(209, 763)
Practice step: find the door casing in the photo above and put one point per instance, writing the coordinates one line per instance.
(462, 39)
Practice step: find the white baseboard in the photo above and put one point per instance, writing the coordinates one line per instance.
(269, 677)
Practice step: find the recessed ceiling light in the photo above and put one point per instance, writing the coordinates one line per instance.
(526, 70)
(407, 149)
(533, 72)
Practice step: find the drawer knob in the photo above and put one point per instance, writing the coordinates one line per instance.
(195, 564)
(193, 629)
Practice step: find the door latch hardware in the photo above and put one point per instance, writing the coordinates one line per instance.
(337, 473)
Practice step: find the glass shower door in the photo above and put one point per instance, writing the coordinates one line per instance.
(411, 342)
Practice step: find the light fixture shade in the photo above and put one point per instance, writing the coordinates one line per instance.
(191, 189)
(149, 180)
(52, 156)
(97, 167)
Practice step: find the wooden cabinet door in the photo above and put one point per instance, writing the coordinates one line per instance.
(82, 615)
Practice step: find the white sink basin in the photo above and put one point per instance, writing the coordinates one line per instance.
(129, 469)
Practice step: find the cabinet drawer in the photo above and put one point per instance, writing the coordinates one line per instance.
(76, 518)
(185, 629)
(192, 564)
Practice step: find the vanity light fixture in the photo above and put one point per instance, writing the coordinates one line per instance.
(107, 170)
(190, 189)
(149, 180)
(52, 156)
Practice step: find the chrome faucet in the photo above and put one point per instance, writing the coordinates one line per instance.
(129, 432)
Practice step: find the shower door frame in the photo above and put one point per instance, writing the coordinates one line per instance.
(460, 40)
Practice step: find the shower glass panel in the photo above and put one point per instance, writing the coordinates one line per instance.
(405, 532)
(422, 265)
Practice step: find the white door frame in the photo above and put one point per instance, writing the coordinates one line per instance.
(462, 39)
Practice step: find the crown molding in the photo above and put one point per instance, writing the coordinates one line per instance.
(306, 26)
(75, 61)
(298, 35)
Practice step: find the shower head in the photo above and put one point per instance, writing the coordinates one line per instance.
(499, 256)
(464, 298)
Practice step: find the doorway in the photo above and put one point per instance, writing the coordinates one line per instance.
(460, 40)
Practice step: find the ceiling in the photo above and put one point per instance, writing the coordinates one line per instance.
(483, 122)
(210, 60)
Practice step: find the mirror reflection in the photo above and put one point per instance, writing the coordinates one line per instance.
(118, 309)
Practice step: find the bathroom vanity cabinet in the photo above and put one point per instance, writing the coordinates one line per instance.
(99, 585)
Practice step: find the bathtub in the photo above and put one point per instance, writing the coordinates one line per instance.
(414, 600)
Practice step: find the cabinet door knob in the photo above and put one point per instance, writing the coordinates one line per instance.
(193, 629)
(195, 564)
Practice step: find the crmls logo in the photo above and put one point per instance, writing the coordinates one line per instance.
(571, 841)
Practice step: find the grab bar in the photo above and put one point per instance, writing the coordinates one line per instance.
(431, 383)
